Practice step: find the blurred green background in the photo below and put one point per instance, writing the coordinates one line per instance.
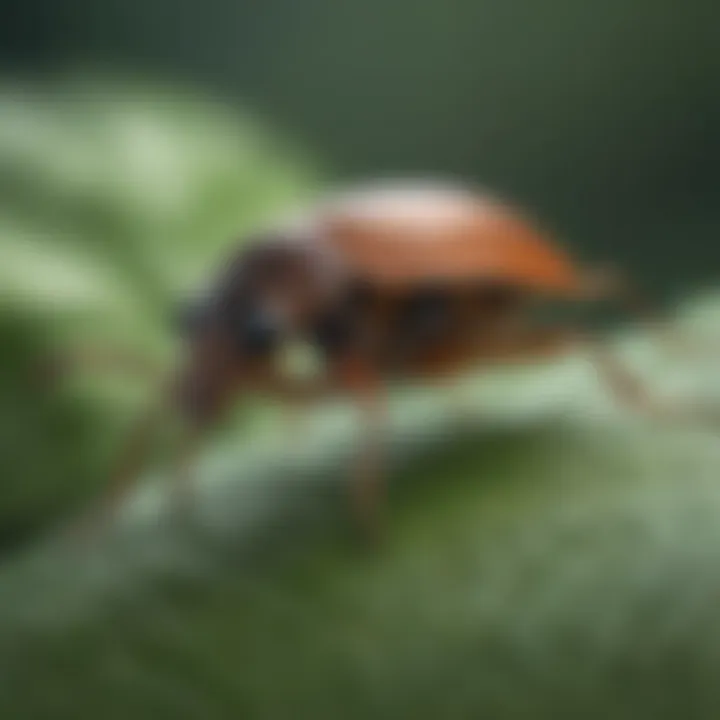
(600, 116)
(540, 568)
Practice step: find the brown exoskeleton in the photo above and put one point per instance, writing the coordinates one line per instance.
(409, 282)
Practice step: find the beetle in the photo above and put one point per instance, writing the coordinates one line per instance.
(404, 280)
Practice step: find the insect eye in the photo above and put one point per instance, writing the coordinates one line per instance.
(259, 334)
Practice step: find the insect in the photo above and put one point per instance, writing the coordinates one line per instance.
(393, 281)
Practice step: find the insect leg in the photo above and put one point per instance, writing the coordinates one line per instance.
(633, 394)
(611, 285)
(368, 486)
(132, 457)
(181, 479)
(624, 385)
(368, 483)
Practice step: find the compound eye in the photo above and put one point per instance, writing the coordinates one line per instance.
(260, 333)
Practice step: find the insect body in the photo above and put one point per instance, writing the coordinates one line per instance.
(397, 281)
